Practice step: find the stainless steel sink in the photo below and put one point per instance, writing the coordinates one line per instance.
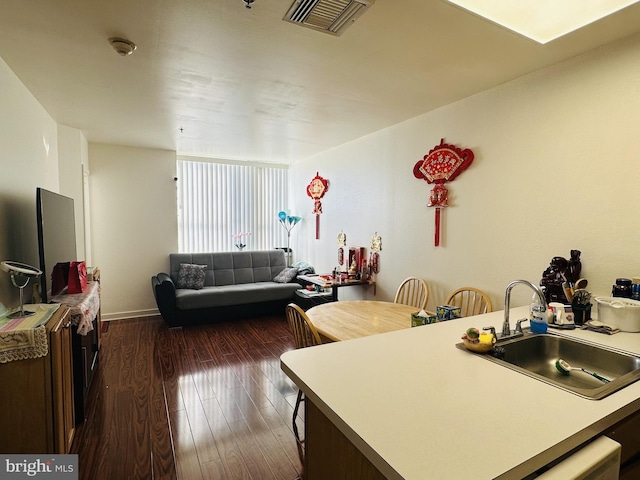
(536, 355)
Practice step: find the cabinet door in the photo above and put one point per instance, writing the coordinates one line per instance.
(626, 433)
(62, 379)
(25, 406)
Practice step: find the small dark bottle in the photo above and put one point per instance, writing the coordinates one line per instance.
(622, 288)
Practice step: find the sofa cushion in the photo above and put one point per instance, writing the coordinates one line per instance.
(225, 295)
(191, 276)
(286, 275)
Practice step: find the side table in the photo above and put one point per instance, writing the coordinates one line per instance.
(306, 299)
(326, 281)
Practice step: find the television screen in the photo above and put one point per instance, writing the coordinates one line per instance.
(56, 234)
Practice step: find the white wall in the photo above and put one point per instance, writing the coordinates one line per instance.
(556, 168)
(72, 156)
(133, 224)
(28, 159)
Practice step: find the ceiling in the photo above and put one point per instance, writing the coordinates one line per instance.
(213, 78)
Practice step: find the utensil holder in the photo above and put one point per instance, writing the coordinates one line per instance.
(581, 313)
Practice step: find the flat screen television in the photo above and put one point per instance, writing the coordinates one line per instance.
(56, 234)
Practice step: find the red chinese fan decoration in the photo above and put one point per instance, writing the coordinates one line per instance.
(316, 190)
(442, 164)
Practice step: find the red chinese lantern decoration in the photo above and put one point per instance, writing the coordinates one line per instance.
(442, 164)
(316, 190)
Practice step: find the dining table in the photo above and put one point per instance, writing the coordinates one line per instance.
(346, 320)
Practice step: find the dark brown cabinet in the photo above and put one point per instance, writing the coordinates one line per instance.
(85, 362)
(37, 398)
(627, 434)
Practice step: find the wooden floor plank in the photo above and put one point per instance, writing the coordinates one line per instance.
(186, 455)
(230, 453)
(215, 471)
(283, 433)
(162, 456)
(252, 455)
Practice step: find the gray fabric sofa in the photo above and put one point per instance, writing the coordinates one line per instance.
(235, 284)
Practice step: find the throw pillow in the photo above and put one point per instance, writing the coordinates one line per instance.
(286, 275)
(191, 276)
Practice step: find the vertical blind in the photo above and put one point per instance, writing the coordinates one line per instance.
(219, 200)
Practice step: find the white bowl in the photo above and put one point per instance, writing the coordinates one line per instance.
(623, 313)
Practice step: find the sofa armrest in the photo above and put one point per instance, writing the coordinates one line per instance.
(164, 291)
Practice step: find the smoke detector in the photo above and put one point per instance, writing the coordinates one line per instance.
(123, 46)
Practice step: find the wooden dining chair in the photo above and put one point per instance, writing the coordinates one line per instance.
(304, 335)
(413, 291)
(471, 301)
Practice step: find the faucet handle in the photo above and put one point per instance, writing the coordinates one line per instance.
(493, 331)
(519, 325)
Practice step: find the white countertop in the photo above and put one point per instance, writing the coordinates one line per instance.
(419, 408)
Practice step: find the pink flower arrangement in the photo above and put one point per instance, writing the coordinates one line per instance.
(238, 239)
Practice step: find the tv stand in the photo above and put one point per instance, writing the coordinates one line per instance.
(85, 318)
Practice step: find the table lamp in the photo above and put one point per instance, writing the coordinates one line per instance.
(22, 271)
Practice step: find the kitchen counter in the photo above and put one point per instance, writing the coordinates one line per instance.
(417, 407)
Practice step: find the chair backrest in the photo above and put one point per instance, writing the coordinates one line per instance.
(304, 333)
(413, 291)
(471, 301)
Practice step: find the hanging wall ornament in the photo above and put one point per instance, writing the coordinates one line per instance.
(374, 258)
(342, 242)
(316, 190)
(442, 164)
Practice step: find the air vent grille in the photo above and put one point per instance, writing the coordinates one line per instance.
(329, 16)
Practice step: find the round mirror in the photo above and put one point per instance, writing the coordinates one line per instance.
(18, 268)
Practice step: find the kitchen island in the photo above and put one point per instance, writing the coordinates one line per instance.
(416, 407)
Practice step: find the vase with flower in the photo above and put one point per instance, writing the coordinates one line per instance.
(238, 240)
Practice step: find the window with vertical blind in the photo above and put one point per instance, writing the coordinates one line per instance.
(219, 200)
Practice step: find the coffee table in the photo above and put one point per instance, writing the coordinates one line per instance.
(339, 321)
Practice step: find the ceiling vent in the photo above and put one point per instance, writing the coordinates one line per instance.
(329, 16)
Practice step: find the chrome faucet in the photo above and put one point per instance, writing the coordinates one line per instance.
(506, 327)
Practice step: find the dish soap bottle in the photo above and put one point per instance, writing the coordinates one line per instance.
(538, 318)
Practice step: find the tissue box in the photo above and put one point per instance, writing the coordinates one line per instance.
(416, 320)
(447, 312)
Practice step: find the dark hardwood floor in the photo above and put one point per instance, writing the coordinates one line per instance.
(206, 402)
